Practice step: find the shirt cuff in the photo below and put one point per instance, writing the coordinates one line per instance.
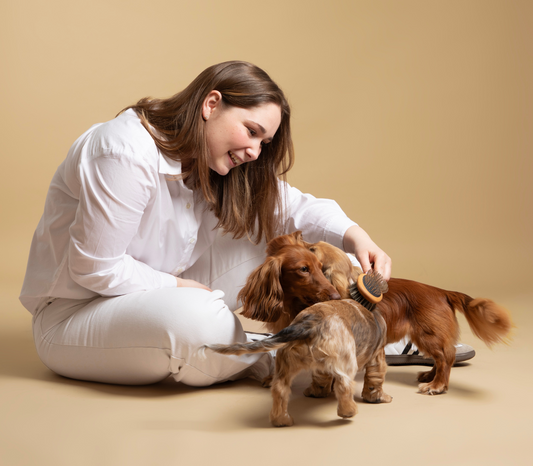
(168, 280)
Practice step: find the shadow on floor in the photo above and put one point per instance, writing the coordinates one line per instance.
(19, 359)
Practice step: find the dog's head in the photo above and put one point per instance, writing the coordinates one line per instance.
(336, 266)
(274, 245)
(289, 280)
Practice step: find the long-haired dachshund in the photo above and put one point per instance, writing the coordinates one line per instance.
(289, 280)
(423, 313)
(334, 340)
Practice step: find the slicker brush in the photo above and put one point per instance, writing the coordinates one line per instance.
(368, 289)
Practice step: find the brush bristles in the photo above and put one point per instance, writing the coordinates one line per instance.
(368, 289)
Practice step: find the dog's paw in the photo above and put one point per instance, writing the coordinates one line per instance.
(346, 410)
(431, 389)
(267, 381)
(376, 396)
(384, 398)
(316, 391)
(426, 376)
(285, 420)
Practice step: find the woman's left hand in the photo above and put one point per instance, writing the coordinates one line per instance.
(370, 256)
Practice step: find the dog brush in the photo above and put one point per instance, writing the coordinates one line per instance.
(368, 289)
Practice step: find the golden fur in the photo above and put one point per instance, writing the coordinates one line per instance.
(334, 340)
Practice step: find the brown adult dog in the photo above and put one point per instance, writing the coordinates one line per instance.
(423, 313)
(289, 280)
(334, 340)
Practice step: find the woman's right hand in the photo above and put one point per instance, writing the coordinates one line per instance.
(186, 283)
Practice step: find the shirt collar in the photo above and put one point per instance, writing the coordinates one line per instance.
(170, 168)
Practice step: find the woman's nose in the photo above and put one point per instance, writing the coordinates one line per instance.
(253, 151)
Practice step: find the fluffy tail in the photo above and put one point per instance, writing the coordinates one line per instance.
(490, 322)
(302, 330)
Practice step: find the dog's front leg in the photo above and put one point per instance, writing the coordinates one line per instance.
(321, 385)
(374, 377)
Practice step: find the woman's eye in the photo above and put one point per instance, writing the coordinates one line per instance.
(252, 132)
(304, 269)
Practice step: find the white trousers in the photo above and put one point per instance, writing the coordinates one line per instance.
(145, 337)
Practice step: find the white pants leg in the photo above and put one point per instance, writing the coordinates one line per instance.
(145, 337)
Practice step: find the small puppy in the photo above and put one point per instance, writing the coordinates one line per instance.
(423, 313)
(334, 340)
(289, 281)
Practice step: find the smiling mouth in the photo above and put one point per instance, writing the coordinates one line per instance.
(234, 159)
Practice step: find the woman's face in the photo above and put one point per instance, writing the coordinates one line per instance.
(235, 135)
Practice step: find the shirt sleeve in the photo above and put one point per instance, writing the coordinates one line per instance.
(318, 219)
(114, 191)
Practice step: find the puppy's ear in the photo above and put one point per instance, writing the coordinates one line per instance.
(297, 235)
(262, 296)
(279, 242)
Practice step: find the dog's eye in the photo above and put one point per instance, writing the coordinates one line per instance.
(304, 269)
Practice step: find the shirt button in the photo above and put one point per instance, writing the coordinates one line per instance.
(192, 241)
(188, 206)
(179, 271)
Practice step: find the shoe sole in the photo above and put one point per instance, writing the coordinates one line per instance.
(417, 360)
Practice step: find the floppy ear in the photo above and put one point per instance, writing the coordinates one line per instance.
(279, 242)
(262, 296)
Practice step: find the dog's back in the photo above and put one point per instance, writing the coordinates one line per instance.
(326, 329)
(414, 308)
(333, 339)
(340, 325)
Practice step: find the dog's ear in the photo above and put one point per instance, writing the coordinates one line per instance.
(279, 242)
(297, 235)
(262, 296)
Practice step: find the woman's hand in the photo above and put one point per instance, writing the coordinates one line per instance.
(186, 283)
(369, 255)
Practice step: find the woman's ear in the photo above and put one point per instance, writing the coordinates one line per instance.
(211, 102)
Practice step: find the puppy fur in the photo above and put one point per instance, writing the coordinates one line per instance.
(423, 313)
(334, 340)
(289, 280)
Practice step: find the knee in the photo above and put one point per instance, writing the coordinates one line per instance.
(195, 317)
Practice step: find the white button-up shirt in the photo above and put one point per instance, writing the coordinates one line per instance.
(119, 219)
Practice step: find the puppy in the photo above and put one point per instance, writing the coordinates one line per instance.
(289, 281)
(423, 313)
(334, 340)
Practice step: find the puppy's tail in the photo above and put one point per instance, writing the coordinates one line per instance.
(489, 321)
(302, 330)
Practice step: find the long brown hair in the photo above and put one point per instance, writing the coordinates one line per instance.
(247, 201)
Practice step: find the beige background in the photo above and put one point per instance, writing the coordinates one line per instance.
(416, 116)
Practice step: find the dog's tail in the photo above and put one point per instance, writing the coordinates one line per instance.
(489, 321)
(305, 328)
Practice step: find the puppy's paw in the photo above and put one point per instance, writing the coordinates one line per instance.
(346, 410)
(267, 381)
(317, 391)
(285, 420)
(431, 389)
(426, 377)
(375, 396)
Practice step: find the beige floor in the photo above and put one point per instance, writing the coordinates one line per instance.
(484, 419)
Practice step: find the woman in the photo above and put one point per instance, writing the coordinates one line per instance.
(131, 242)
